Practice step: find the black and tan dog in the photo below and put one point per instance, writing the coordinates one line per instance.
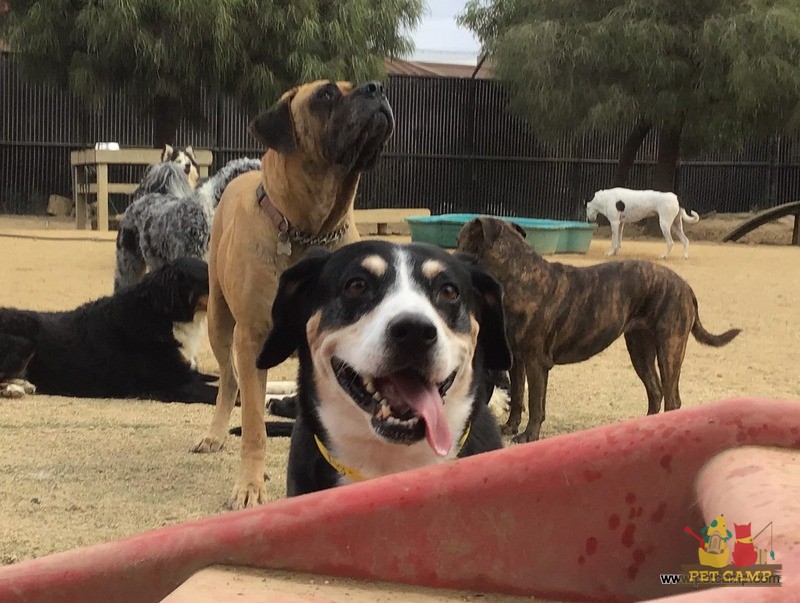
(395, 343)
(559, 314)
(320, 138)
(138, 343)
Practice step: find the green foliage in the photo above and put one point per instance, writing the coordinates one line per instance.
(722, 69)
(173, 49)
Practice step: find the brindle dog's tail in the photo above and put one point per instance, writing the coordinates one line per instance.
(706, 338)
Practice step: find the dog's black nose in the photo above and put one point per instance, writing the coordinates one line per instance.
(371, 88)
(412, 333)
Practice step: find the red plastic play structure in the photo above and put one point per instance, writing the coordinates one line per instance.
(596, 515)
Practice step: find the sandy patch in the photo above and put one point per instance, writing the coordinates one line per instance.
(77, 472)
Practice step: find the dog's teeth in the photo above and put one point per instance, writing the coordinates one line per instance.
(369, 387)
(383, 411)
(409, 422)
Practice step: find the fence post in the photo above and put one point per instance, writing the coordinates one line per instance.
(469, 193)
(771, 185)
(218, 133)
(578, 151)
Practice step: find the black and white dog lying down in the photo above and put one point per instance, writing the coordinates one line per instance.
(394, 343)
(138, 343)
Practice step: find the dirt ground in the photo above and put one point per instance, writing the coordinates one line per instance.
(76, 472)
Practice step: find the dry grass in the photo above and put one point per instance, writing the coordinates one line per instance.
(76, 472)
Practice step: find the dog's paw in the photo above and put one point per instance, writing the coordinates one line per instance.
(509, 429)
(12, 390)
(27, 386)
(283, 407)
(611, 252)
(208, 444)
(246, 495)
(524, 438)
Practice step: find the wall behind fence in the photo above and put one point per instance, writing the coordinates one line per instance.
(456, 149)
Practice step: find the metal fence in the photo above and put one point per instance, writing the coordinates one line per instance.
(456, 149)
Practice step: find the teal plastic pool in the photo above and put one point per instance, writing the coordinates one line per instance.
(545, 236)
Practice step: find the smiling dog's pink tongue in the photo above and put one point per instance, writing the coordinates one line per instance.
(425, 400)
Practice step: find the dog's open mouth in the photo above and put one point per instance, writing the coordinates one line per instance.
(405, 407)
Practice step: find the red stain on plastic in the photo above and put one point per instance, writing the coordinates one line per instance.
(630, 498)
(613, 522)
(632, 571)
(591, 545)
(665, 462)
(658, 514)
(745, 471)
(627, 535)
(581, 560)
(639, 512)
(591, 476)
(632, 513)
(639, 556)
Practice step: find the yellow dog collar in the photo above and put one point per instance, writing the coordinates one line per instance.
(355, 474)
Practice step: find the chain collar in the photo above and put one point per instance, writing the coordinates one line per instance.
(289, 232)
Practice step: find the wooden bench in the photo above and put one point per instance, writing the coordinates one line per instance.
(99, 160)
(382, 218)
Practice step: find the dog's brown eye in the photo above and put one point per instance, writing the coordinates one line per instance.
(448, 293)
(356, 287)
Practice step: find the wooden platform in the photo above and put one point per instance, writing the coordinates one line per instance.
(84, 162)
(386, 221)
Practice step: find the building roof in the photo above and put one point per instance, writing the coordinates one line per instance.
(402, 67)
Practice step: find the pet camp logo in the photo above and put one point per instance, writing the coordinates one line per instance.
(730, 559)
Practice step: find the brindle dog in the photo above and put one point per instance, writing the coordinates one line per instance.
(559, 314)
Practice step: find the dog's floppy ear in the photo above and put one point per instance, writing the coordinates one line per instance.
(492, 335)
(190, 152)
(166, 154)
(477, 234)
(293, 305)
(274, 127)
(519, 229)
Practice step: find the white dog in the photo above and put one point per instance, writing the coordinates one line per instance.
(623, 205)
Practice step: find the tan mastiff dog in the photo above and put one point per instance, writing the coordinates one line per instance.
(320, 137)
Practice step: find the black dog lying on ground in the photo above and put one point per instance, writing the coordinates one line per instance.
(138, 343)
(395, 344)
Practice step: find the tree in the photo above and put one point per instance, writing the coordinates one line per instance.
(705, 73)
(164, 54)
